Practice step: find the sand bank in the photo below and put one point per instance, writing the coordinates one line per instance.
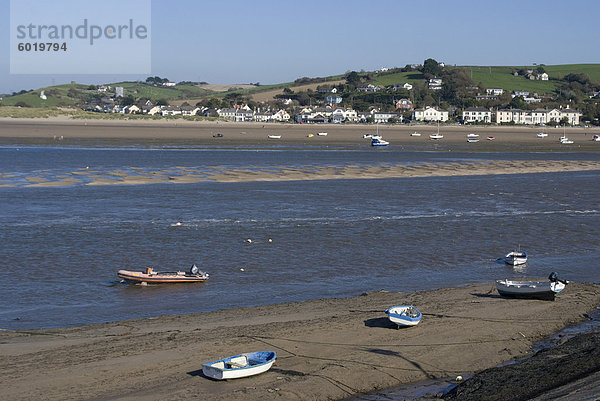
(327, 348)
(188, 175)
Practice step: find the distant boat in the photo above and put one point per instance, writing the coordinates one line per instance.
(404, 315)
(565, 141)
(515, 258)
(437, 135)
(542, 135)
(309, 135)
(415, 134)
(472, 135)
(322, 134)
(490, 138)
(243, 365)
(472, 139)
(596, 138)
(150, 276)
(531, 289)
(274, 136)
(378, 141)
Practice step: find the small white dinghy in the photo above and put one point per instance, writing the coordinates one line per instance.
(243, 365)
(404, 315)
(515, 258)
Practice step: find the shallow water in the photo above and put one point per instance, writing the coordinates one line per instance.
(62, 246)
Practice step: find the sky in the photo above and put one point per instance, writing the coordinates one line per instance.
(269, 41)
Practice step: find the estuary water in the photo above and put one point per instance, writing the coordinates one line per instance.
(61, 247)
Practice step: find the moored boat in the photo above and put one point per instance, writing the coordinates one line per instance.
(472, 139)
(531, 289)
(378, 141)
(150, 276)
(596, 138)
(515, 258)
(274, 136)
(243, 365)
(404, 315)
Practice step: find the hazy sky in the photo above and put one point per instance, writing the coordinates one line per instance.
(270, 41)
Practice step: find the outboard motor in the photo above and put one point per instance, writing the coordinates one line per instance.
(553, 277)
(194, 269)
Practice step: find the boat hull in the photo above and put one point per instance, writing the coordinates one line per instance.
(238, 366)
(529, 289)
(515, 258)
(169, 277)
(404, 315)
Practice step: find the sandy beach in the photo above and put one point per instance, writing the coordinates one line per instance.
(327, 348)
(182, 132)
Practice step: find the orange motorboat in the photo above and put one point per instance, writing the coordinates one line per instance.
(150, 276)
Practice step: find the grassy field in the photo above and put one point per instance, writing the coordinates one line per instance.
(397, 78)
(502, 77)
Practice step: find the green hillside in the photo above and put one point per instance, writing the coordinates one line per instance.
(502, 77)
(59, 95)
(489, 77)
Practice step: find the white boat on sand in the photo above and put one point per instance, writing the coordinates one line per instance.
(532, 289)
(274, 136)
(243, 365)
(436, 135)
(404, 315)
(378, 141)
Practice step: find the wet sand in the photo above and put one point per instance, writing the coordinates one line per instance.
(188, 133)
(327, 349)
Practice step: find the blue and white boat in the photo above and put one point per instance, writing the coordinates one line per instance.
(243, 365)
(404, 315)
(378, 141)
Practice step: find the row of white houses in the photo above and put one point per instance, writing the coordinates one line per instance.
(503, 116)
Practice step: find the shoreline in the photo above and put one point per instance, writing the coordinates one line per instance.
(327, 348)
(66, 131)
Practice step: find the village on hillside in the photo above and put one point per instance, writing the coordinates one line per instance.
(442, 94)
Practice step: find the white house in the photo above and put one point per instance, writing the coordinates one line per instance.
(494, 91)
(472, 114)
(281, 115)
(435, 84)
(384, 117)
(340, 115)
(430, 114)
(539, 116)
(171, 111)
(543, 76)
(133, 109)
(333, 98)
(573, 116)
(190, 111)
